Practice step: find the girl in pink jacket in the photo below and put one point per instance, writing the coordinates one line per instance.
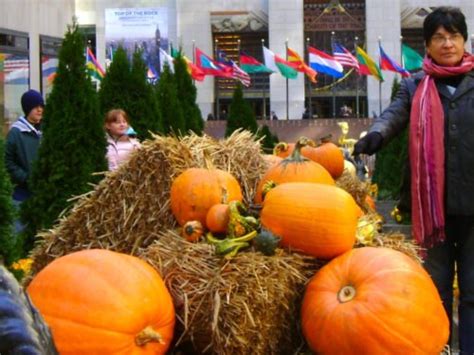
(119, 144)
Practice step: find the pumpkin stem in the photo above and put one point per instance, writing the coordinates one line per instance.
(346, 294)
(296, 155)
(267, 186)
(148, 335)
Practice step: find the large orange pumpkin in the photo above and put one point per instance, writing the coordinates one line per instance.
(295, 168)
(317, 219)
(328, 155)
(271, 159)
(373, 301)
(196, 190)
(103, 302)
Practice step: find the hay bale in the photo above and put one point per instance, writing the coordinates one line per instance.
(357, 188)
(247, 305)
(131, 205)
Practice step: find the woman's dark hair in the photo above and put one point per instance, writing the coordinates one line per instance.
(451, 18)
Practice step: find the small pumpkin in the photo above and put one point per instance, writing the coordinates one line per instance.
(373, 301)
(102, 302)
(295, 168)
(317, 219)
(283, 149)
(329, 155)
(192, 231)
(217, 218)
(196, 190)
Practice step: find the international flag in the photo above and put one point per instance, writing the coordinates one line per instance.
(165, 58)
(49, 67)
(367, 65)
(210, 67)
(300, 65)
(251, 65)
(93, 67)
(237, 73)
(411, 59)
(387, 63)
(324, 63)
(343, 56)
(193, 70)
(277, 64)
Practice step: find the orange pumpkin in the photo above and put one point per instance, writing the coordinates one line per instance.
(271, 159)
(196, 190)
(294, 169)
(370, 202)
(328, 155)
(319, 220)
(103, 302)
(283, 149)
(373, 301)
(192, 231)
(217, 218)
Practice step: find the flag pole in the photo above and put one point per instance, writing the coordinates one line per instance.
(357, 83)
(264, 110)
(218, 111)
(310, 97)
(333, 86)
(194, 57)
(380, 81)
(287, 85)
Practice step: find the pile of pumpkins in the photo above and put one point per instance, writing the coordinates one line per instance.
(364, 300)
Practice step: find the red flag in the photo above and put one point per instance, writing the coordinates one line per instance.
(210, 67)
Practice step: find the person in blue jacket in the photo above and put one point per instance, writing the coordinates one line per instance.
(22, 145)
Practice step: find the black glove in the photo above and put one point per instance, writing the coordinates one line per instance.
(369, 144)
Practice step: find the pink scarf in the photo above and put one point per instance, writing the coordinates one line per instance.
(426, 147)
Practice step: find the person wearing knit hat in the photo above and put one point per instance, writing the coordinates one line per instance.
(30, 100)
(22, 144)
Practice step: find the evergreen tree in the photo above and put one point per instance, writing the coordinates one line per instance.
(114, 90)
(187, 97)
(143, 109)
(391, 161)
(73, 145)
(269, 141)
(240, 114)
(171, 110)
(8, 251)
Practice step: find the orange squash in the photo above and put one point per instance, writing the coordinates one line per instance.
(103, 302)
(316, 219)
(217, 218)
(294, 169)
(373, 301)
(328, 155)
(192, 231)
(283, 149)
(196, 190)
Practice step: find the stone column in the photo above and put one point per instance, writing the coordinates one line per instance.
(382, 20)
(285, 20)
(194, 24)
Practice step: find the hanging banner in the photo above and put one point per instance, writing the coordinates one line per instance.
(131, 28)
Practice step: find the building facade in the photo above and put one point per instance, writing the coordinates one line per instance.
(31, 32)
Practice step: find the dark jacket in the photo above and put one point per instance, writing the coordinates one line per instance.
(459, 136)
(21, 151)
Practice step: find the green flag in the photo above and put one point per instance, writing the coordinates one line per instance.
(411, 59)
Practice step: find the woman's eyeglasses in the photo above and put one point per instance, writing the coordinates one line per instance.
(440, 40)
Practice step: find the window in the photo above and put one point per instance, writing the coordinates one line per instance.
(14, 74)
(49, 62)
